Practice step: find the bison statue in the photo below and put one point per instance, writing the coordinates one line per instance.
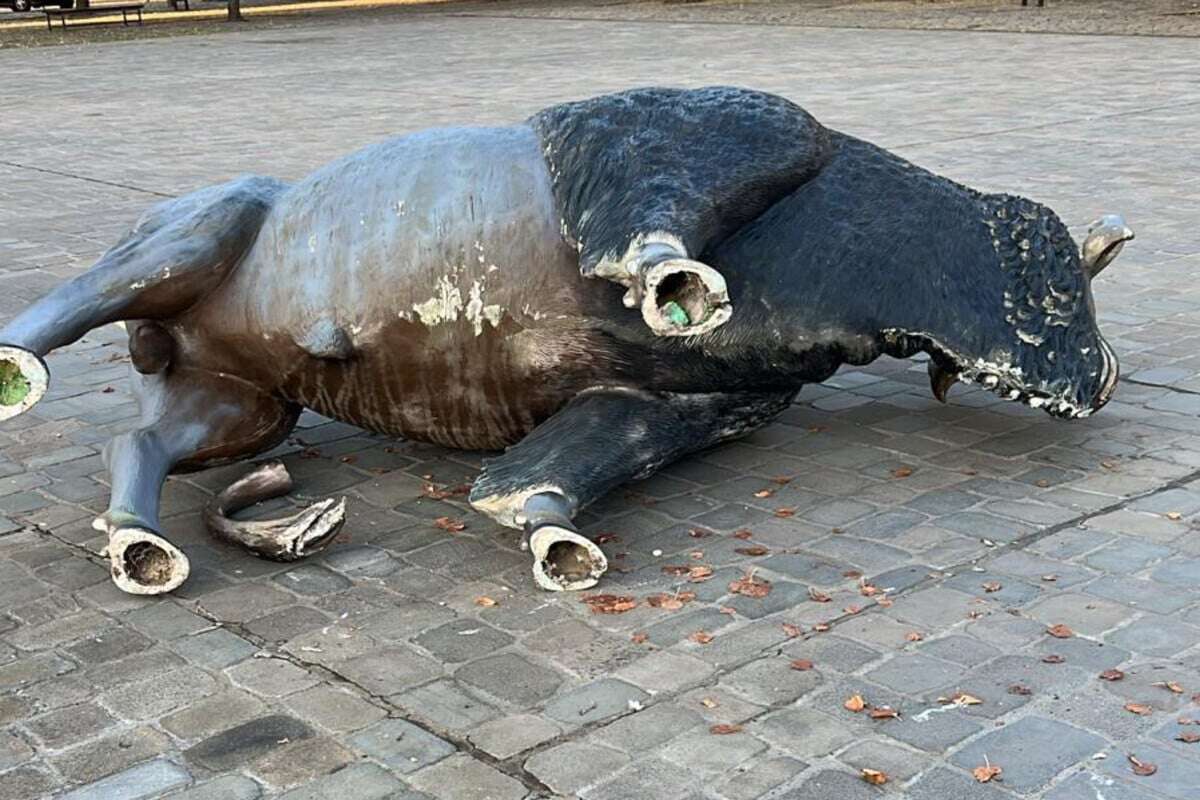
(435, 286)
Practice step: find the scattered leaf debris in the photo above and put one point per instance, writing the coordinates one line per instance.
(725, 728)
(874, 777)
(485, 601)
(817, 596)
(914, 636)
(640, 637)
(450, 524)
(1174, 516)
(605, 538)
(1170, 686)
(609, 603)
(751, 586)
(701, 637)
(855, 703)
(709, 702)
(761, 493)
(756, 550)
(883, 712)
(992, 586)
(670, 602)
(1143, 768)
(1053, 658)
(1141, 709)
(1188, 737)
(743, 534)
(1060, 631)
(987, 773)
(902, 472)
(785, 512)
(698, 533)
(1112, 675)
(1020, 689)
(791, 630)
(961, 699)
(802, 665)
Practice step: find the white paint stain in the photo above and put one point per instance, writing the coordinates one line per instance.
(444, 307)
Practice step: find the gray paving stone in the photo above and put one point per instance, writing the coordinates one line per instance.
(965, 650)
(389, 670)
(445, 705)
(333, 709)
(1153, 635)
(358, 781)
(1086, 786)
(1177, 776)
(643, 730)
(510, 678)
(665, 671)
(940, 784)
(595, 701)
(572, 766)
(803, 732)
(1033, 750)
(143, 781)
(915, 673)
(400, 745)
(462, 640)
(669, 781)
(832, 785)
(243, 743)
(506, 737)
(771, 681)
(463, 778)
(213, 714)
(752, 782)
(226, 787)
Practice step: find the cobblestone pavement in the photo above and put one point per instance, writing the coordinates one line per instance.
(372, 671)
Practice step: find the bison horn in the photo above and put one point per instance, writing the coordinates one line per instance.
(1106, 236)
(940, 380)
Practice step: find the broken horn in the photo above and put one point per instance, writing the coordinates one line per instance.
(940, 380)
(1106, 236)
(563, 561)
(289, 538)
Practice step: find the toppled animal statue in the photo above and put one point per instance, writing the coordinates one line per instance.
(430, 287)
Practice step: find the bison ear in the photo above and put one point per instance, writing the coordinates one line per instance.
(1106, 236)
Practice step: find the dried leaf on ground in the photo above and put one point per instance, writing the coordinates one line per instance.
(791, 630)
(1170, 686)
(743, 534)
(1143, 768)
(442, 492)
(821, 627)
(851, 609)
(701, 637)
(709, 702)
(698, 533)
(450, 524)
(855, 703)
(1053, 658)
(817, 596)
(725, 728)
(1188, 737)
(727, 610)
(1020, 689)
(902, 472)
(699, 573)
(992, 586)
(756, 550)
(639, 637)
(785, 512)
(670, 602)
(802, 665)
(751, 586)
(1112, 675)
(874, 777)
(883, 712)
(1050, 578)
(485, 601)
(782, 480)
(961, 699)
(914, 636)
(1174, 515)
(761, 493)
(605, 538)
(609, 603)
(1060, 631)
(987, 773)
(1141, 709)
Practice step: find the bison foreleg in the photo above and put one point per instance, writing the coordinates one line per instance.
(600, 440)
(190, 418)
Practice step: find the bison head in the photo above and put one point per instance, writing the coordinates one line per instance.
(1017, 315)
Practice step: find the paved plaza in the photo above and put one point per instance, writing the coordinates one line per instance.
(921, 557)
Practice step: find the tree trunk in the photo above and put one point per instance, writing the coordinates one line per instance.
(235, 11)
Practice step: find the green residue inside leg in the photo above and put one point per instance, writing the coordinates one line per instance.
(14, 386)
(675, 313)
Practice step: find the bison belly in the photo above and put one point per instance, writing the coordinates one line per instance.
(419, 287)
